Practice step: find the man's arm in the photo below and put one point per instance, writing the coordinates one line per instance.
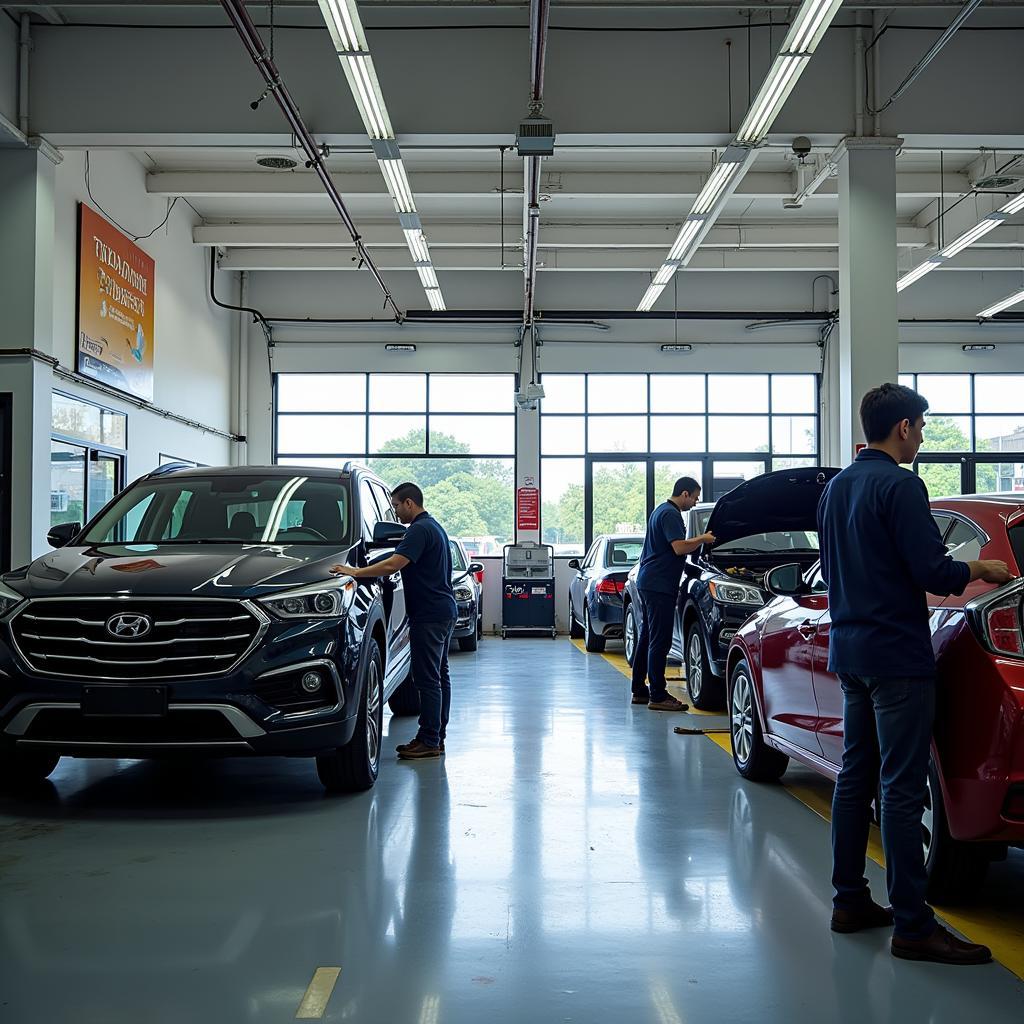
(388, 567)
(685, 547)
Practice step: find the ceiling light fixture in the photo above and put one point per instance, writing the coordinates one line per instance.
(650, 297)
(663, 276)
(399, 348)
(676, 348)
(1010, 300)
(428, 277)
(436, 299)
(916, 274)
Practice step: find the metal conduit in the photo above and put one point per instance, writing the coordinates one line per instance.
(540, 12)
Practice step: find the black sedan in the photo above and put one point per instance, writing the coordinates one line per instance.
(765, 522)
(595, 594)
(469, 592)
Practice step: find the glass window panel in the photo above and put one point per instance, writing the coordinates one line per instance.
(471, 498)
(67, 483)
(795, 435)
(113, 429)
(321, 392)
(479, 435)
(907, 380)
(677, 434)
(727, 474)
(563, 435)
(998, 477)
(334, 462)
(88, 422)
(561, 490)
(794, 392)
(667, 473)
(941, 478)
(102, 483)
(946, 392)
(320, 435)
(946, 434)
(398, 434)
(1003, 392)
(677, 392)
(738, 433)
(620, 497)
(617, 392)
(398, 392)
(564, 392)
(617, 433)
(469, 392)
(738, 392)
(1000, 433)
(778, 464)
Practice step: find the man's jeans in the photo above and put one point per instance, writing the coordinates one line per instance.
(657, 620)
(430, 642)
(888, 731)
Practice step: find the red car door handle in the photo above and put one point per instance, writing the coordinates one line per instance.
(807, 629)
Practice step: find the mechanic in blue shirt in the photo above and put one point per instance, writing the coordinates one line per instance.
(661, 568)
(881, 555)
(424, 558)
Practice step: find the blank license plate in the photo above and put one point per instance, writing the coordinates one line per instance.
(145, 701)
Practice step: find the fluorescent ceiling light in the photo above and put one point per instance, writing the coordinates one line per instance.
(666, 273)
(435, 299)
(1010, 300)
(916, 274)
(686, 235)
(428, 278)
(979, 230)
(774, 92)
(809, 25)
(1015, 205)
(398, 185)
(650, 297)
(344, 24)
(714, 187)
(362, 79)
(417, 245)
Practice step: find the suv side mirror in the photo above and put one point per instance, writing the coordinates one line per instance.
(475, 567)
(786, 581)
(63, 534)
(574, 563)
(387, 534)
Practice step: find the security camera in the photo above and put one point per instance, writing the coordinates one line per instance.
(801, 147)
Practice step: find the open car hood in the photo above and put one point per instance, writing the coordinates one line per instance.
(772, 503)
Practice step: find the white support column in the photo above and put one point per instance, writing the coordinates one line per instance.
(868, 343)
(527, 443)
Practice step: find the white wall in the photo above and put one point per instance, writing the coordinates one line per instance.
(193, 338)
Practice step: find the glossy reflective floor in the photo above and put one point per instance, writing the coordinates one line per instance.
(571, 860)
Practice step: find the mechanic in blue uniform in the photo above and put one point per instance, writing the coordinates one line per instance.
(661, 568)
(424, 558)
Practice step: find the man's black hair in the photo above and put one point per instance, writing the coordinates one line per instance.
(883, 407)
(407, 491)
(685, 485)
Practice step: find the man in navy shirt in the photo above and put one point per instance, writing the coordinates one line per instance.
(881, 555)
(424, 558)
(661, 567)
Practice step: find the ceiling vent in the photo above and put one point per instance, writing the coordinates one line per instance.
(536, 137)
(277, 163)
(1008, 177)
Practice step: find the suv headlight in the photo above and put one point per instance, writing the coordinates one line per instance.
(463, 593)
(9, 599)
(727, 592)
(331, 599)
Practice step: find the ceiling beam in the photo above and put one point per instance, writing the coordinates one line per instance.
(624, 185)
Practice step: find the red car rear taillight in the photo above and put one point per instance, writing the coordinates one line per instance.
(610, 586)
(1002, 623)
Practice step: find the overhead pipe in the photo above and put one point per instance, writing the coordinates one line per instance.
(24, 50)
(250, 37)
(540, 12)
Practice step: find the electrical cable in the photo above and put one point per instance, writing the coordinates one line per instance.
(257, 316)
(119, 226)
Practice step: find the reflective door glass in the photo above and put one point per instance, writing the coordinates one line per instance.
(102, 483)
(620, 497)
(67, 483)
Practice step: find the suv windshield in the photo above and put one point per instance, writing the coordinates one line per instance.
(229, 509)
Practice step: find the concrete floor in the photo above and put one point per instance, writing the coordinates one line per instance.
(571, 860)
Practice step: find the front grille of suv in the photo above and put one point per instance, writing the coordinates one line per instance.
(187, 638)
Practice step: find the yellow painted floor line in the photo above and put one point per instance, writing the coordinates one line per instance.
(995, 922)
(318, 995)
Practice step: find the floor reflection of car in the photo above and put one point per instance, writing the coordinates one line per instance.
(784, 703)
(469, 626)
(767, 521)
(595, 594)
(197, 612)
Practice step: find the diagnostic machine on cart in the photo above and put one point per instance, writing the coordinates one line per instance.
(528, 589)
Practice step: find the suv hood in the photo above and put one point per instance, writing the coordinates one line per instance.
(175, 570)
(772, 503)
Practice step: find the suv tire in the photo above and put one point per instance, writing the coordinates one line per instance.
(753, 758)
(469, 643)
(22, 768)
(706, 690)
(405, 701)
(354, 767)
(575, 629)
(594, 642)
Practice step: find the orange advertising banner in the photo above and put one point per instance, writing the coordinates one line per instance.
(115, 307)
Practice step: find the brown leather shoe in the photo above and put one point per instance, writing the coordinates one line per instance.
(941, 947)
(417, 751)
(668, 704)
(869, 916)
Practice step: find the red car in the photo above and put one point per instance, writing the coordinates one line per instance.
(783, 701)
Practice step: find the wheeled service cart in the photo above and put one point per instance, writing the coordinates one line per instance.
(528, 589)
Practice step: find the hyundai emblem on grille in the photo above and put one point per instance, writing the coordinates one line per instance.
(129, 627)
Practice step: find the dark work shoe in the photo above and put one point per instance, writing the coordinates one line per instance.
(668, 703)
(941, 947)
(417, 751)
(869, 916)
